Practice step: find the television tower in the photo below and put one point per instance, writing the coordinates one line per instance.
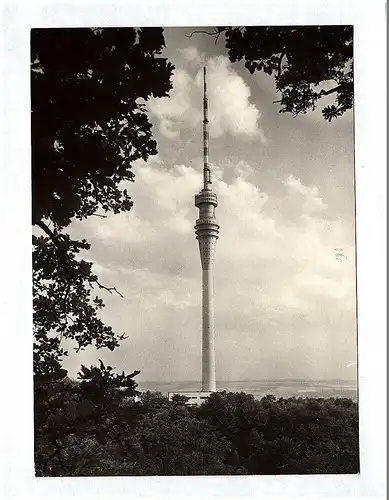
(207, 231)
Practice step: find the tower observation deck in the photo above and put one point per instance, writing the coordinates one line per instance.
(207, 231)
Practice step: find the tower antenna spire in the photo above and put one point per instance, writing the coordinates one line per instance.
(206, 169)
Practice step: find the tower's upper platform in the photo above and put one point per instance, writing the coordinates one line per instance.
(206, 196)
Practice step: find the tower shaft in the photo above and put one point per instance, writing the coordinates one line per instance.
(207, 231)
(208, 334)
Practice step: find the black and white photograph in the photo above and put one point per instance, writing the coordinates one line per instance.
(154, 353)
(200, 312)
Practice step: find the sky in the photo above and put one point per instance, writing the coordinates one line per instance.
(284, 292)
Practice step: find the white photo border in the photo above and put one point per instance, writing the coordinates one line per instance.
(369, 20)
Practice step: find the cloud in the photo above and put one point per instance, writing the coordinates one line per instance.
(177, 110)
(243, 169)
(192, 54)
(285, 306)
(230, 110)
(309, 194)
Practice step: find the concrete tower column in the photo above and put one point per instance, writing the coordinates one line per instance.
(208, 340)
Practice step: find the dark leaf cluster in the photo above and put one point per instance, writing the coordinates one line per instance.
(96, 427)
(88, 120)
(78, 422)
(287, 436)
(301, 59)
(65, 304)
(88, 125)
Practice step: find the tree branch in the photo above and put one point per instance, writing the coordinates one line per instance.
(46, 462)
(282, 55)
(49, 232)
(62, 254)
(214, 34)
(196, 32)
(69, 317)
(328, 92)
(98, 215)
(109, 289)
(55, 453)
(59, 457)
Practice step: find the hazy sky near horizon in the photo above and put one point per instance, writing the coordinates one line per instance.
(284, 304)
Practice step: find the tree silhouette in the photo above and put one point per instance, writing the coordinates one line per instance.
(287, 436)
(94, 426)
(84, 426)
(88, 125)
(301, 59)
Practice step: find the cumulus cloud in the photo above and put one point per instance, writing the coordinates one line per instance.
(243, 169)
(230, 109)
(308, 194)
(192, 54)
(285, 306)
(177, 110)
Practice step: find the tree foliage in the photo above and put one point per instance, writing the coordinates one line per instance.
(78, 422)
(88, 121)
(88, 125)
(171, 441)
(231, 433)
(301, 59)
(287, 436)
(63, 307)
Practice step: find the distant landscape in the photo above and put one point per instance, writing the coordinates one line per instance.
(285, 388)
